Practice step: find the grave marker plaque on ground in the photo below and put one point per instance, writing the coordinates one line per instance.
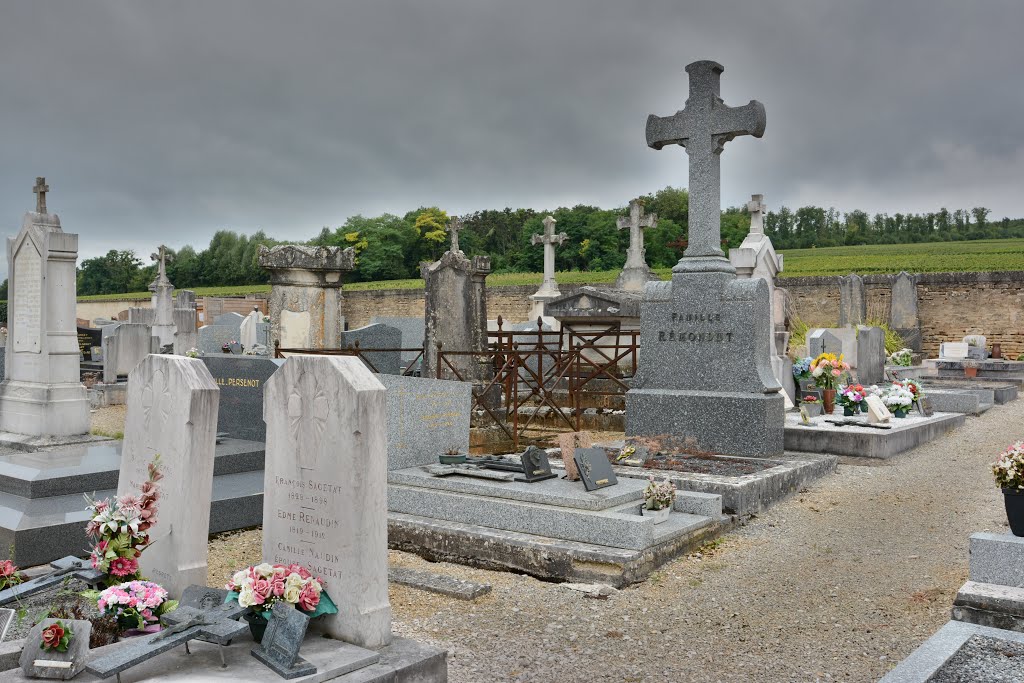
(594, 468)
(282, 640)
(50, 663)
(535, 465)
(325, 487)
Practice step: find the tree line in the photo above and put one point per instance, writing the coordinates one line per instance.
(391, 247)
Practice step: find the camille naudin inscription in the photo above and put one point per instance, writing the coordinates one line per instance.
(697, 334)
(308, 523)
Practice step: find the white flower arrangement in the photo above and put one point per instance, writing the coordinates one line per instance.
(193, 353)
(903, 357)
(1009, 468)
(659, 494)
(898, 397)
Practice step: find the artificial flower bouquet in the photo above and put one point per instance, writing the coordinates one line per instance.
(659, 494)
(802, 368)
(828, 370)
(1009, 468)
(911, 385)
(852, 396)
(903, 357)
(264, 585)
(119, 529)
(56, 637)
(10, 575)
(898, 399)
(811, 398)
(135, 604)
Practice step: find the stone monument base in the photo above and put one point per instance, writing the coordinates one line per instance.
(731, 423)
(43, 409)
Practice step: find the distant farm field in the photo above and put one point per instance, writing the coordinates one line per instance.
(931, 257)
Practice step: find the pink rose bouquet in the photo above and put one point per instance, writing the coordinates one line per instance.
(119, 529)
(135, 604)
(262, 586)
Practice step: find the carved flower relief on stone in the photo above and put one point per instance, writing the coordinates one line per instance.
(156, 414)
(308, 407)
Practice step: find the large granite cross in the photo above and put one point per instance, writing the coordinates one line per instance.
(454, 228)
(549, 239)
(756, 207)
(41, 189)
(703, 127)
(636, 222)
(162, 256)
(216, 625)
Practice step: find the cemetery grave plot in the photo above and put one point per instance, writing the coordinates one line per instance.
(708, 464)
(823, 435)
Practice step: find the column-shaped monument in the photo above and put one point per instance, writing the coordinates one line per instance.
(636, 273)
(163, 299)
(42, 394)
(455, 313)
(705, 378)
(306, 302)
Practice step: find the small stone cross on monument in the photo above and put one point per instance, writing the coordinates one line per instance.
(41, 189)
(162, 256)
(756, 207)
(636, 222)
(703, 127)
(454, 228)
(549, 239)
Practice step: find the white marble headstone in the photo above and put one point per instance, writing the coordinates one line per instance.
(953, 350)
(325, 487)
(172, 411)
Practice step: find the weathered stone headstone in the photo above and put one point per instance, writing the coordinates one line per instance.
(823, 341)
(426, 418)
(241, 380)
(163, 298)
(548, 288)
(877, 412)
(306, 302)
(705, 373)
(125, 348)
(185, 330)
(636, 273)
(455, 314)
(42, 393)
(377, 336)
(172, 412)
(870, 362)
(325, 487)
(212, 338)
(903, 317)
(853, 303)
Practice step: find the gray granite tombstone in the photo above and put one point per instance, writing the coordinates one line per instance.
(37, 662)
(903, 316)
(377, 336)
(822, 341)
(852, 300)
(412, 330)
(705, 373)
(241, 380)
(202, 598)
(594, 468)
(212, 338)
(229, 320)
(425, 419)
(870, 361)
(282, 640)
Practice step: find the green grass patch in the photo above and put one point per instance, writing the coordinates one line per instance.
(930, 257)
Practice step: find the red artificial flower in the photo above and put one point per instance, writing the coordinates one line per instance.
(122, 566)
(53, 635)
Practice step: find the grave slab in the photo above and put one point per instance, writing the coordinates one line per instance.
(866, 442)
(438, 583)
(997, 558)
(926, 662)
(961, 401)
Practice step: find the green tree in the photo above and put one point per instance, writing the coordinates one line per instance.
(109, 274)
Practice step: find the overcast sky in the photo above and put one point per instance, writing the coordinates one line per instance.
(163, 122)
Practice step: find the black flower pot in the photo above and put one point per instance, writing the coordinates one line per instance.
(257, 625)
(1014, 500)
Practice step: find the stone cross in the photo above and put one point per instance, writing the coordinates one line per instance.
(162, 256)
(41, 189)
(703, 127)
(636, 223)
(549, 239)
(756, 207)
(454, 227)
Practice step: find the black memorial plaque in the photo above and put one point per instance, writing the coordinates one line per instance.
(595, 470)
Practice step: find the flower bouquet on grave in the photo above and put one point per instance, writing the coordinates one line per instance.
(851, 398)
(10, 575)
(1008, 470)
(810, 405)
(192, 353)
(136, 606)
(119, 529)
(828, 371)
(226, 346)
(903, 357)
(911, 385)
(658, 499)
(802, 368)
(264, 585)
(898, 399)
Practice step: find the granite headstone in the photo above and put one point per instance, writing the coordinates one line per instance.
(377, 336)
(241, 380)
(425, 419)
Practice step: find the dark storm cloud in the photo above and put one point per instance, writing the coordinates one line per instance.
(162, 122)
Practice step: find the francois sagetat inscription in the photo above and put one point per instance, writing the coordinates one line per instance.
(696, 327)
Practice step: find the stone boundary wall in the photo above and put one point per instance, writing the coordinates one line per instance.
(950, 305)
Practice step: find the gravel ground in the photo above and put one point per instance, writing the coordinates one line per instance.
(108, 421)
(838, 583)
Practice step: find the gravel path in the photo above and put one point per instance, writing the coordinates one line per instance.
(838, 583)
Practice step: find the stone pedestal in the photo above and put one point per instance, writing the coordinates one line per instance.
(455, 314)
(306, 301)
(172, 412)
(42, 394)
(325, 501)
(705, 377)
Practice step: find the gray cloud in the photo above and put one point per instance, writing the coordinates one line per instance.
(162, 122)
